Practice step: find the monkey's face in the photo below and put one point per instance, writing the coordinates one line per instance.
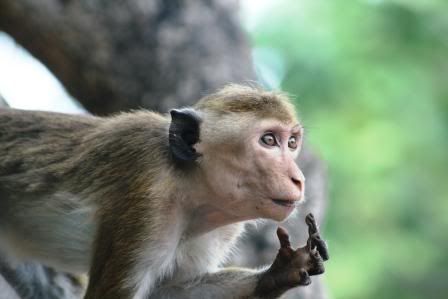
(255, 176)
(274, 146)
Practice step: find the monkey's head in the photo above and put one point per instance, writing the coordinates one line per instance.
(242, 142)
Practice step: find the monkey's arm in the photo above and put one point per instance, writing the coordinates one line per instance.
(227, 283)
(291, 268)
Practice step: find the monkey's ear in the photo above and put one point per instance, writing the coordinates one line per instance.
(183, 134)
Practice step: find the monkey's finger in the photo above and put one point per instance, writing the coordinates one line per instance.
(283, 237)
(321, 246)
(311, 222)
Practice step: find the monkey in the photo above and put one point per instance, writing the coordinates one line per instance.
(150, 205)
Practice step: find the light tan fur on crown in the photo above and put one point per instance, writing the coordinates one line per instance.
(240, 99)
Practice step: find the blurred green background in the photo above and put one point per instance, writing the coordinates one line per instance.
(371, 83)
(370, 79)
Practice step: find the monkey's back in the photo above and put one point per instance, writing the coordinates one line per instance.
(56, 170)
(34, 145)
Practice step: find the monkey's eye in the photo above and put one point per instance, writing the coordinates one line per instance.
(269, 139)
(292, 142)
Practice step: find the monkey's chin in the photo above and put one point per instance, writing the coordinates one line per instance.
(281, 209)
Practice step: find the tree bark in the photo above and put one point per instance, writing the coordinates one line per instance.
(120, 55)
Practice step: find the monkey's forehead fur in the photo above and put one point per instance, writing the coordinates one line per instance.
(240, 99)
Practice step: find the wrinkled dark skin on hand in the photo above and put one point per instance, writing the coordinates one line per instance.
(292, 268)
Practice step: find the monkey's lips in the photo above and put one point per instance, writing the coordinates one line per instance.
(285, 202)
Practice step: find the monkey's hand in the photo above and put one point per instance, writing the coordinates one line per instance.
(291, 267)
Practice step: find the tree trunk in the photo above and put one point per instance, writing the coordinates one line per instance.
(120, 55)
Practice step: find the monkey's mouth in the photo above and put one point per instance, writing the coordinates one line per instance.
(285, 202)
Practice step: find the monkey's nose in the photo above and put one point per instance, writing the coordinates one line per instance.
(298, 183)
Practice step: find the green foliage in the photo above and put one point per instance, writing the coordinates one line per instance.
(370, 78)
